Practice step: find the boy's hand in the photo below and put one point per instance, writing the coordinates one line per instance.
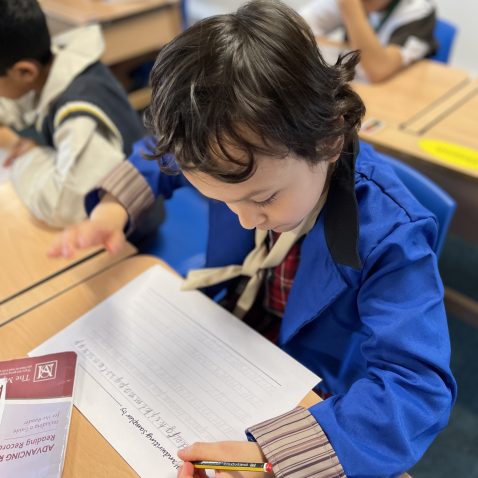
(221, 451)
(104, 228)
(87, 234)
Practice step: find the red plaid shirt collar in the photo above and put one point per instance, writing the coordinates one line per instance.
(279, 279)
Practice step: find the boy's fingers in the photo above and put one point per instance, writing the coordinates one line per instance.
(226, 450)
(68, 244)
(115, 242)
(58, 248)
(55, 248)
(187, 470)
(200, 451)
(88, 235)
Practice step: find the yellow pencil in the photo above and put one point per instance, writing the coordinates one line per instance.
(233, 466)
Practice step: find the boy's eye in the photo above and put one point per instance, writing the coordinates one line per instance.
(266, 202)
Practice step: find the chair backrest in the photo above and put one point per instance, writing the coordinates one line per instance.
(184, 14)
(428, 194)
(445, 34)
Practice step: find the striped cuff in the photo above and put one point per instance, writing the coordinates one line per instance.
(297, 446)
(131, 190)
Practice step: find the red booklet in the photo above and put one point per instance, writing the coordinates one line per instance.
(36, 399)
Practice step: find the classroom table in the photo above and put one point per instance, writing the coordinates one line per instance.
(427, 101)
(27, 275)
(88, 453)
(130, 28)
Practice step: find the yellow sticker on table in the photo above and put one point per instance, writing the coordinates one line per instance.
(451, 153)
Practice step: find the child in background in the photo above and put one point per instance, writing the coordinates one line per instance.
(74, 103)
(390, 34)
(332, 257)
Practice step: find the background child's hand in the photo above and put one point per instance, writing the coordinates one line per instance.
(221, 451)
(104, 228)
(20, 147)
(8, 137)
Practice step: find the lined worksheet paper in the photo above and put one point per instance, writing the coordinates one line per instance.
(160, 368)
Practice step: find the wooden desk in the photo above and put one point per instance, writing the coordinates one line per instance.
(454, 121)
(409, 93)
(130, 28)
(25, 265)
(427, 101)
(88, 453)
(46, 290)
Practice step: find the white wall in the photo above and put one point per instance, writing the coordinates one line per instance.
(462, 13)
(202, 8)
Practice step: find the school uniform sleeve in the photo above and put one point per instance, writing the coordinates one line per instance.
(323, 16)
(415, 39)
(53, 181)
(136, 183)
(384, 423)
(297, 446)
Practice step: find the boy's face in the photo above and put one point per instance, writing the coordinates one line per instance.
(10, 89)
(280, 193)
(19, 80)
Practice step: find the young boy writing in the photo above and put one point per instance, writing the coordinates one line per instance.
(390, 34)
(316, 239)
(73, 102)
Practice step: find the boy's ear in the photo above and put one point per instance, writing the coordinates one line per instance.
(24, 72)
(339, 144)
(333, 159)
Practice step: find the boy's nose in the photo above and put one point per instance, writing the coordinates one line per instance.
(248, 216)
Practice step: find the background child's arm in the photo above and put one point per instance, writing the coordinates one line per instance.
(323, 16)
(8, 137)
(15, 145)
(378, 61)
(52, 181)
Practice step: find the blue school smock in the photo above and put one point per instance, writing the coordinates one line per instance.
(365, 312)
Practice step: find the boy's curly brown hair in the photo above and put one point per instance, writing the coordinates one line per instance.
(258, 70)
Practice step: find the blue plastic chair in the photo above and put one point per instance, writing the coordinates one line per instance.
(445, 34)
(184, 14)
(428, 194)
(181, 239)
